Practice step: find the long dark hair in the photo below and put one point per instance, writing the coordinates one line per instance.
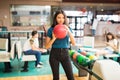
(54, 18)
(109, 33)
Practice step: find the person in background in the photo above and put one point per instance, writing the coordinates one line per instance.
(101, 19)
(94, 26)
(112, 45)
(59, 47)
(31, 47)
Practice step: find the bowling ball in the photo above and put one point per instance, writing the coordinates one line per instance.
(75, 55)
(60, 31)
(92, 57)
(83, 60)
(83, 53)
(71, 52)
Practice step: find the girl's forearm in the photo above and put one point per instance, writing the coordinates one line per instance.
(49, 44)
(71, 38)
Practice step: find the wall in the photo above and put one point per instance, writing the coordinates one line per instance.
(104, 27)
(4, 13)
(5, 17)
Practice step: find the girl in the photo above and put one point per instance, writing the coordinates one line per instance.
(59, 51)
(111, 45)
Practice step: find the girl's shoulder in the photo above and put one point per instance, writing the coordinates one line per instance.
(115, 40)
(50, 29)
(49, 32)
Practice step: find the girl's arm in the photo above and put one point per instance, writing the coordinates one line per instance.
(49, 41)
(72, 39)
(114, 46)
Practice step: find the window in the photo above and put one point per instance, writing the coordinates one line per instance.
(30, 15)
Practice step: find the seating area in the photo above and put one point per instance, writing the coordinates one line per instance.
(15, 53)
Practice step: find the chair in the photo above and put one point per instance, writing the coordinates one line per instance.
(108, 56)
(6, 56)
(88, 44)
(22, 57)
(3, 44)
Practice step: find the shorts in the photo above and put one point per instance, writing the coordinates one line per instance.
(109, 51)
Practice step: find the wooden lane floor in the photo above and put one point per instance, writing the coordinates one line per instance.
(44, 77)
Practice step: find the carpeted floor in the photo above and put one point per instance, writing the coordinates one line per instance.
(45, 70)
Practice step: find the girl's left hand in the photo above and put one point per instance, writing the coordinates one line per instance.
(67, 28)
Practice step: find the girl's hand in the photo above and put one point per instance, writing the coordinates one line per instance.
(53, 36)
(72, 40)
(107, 43)
(67, 28)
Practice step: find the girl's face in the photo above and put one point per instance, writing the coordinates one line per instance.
(109, 37)
(60, 18)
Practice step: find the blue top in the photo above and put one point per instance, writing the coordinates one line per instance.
(59, 43)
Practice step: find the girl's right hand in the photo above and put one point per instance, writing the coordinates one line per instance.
(53, 36)
(107, 43)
